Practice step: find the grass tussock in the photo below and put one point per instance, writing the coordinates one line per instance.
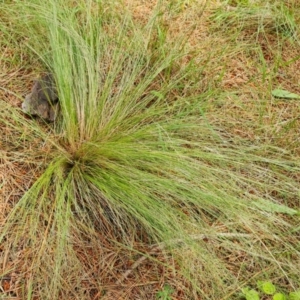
(138, 184)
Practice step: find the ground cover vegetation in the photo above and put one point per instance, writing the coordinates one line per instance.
(172, 171)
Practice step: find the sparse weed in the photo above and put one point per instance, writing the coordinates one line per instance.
(165, 293)
(268, 289)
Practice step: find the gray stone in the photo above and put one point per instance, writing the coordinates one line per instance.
(43, 99)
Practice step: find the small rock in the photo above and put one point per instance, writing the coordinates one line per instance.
(43, 99)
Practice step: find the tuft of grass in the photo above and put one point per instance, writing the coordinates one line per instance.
(133, 167)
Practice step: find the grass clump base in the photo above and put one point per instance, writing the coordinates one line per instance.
(132, 181)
